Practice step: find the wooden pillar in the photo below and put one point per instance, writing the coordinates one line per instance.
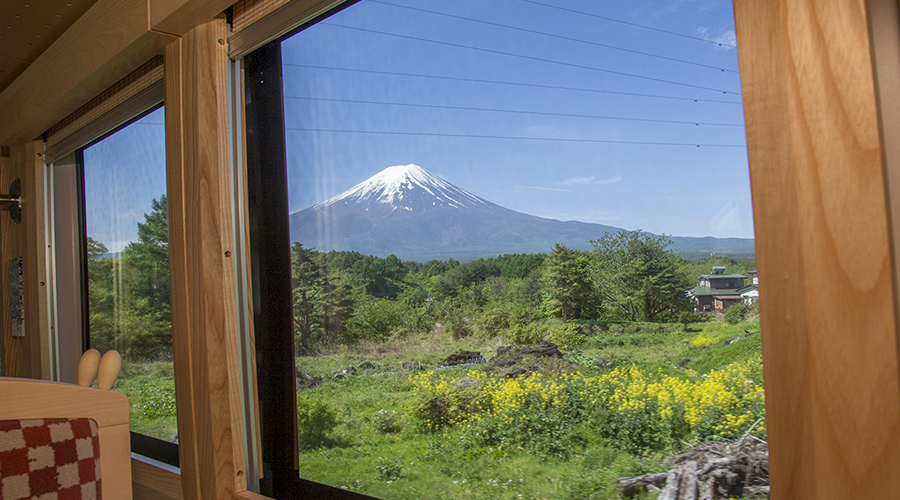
(28, 355)
(202, 268)
(826, 274)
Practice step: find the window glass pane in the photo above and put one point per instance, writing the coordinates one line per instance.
(468, 180)
(128, 267)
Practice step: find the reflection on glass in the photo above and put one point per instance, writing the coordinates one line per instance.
(128, 267)
(485, 301)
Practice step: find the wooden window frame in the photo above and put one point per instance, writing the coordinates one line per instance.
(818, 88)
(822, 213)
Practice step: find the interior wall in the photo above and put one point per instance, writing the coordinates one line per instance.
(28, 355)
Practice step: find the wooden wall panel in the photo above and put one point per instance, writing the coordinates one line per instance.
(152, 480)
(202, 269)
(180, 16)
(11, 349)
(109, 41)
(823, 249)
(27, 356)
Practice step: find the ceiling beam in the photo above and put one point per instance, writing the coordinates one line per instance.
(106, 43)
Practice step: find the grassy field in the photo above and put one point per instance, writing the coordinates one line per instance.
(150, 387)
(617, 405)
(538, 437)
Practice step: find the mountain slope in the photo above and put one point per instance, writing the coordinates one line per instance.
(407, 211)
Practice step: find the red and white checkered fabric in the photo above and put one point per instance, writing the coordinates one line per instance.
(49, 459)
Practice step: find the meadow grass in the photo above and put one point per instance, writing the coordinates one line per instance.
(150, 387)
(374, 440)
(381, 430)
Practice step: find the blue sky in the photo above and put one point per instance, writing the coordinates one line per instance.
(381, 84)
(123, 174)
(554, 125)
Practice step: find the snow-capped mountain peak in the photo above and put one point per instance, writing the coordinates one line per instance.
(406, 211)
(406, 187)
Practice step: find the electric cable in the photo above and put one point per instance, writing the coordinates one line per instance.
(500, 110)
(518, 138)
(505, 82)
(533, 58)
(560, 37)
(597, 16)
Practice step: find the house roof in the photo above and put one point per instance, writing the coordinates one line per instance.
(699, 291)
(722, 276)
(728, 297)
(748, 288)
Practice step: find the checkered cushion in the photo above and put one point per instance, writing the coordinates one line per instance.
(49, 459)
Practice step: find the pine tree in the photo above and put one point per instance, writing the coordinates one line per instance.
(566, 285)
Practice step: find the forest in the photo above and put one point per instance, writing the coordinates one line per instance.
(342, 297)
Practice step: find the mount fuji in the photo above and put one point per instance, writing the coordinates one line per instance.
(409, 212)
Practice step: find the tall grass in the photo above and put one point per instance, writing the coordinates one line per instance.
(615, 407)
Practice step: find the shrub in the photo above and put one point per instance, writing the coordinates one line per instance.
(634, 410)
(566, 338)
(374, 319)
(315, 419)
(688, 317)
(636, 431)
(543, 429)
(389, 470)
(458, 327)
(524, 334)
(387, 422)
(440, 403)
(494, 320)
(735, 314)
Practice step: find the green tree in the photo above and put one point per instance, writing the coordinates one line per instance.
(306, 284)
(128, 295)
(638, 277)
(144, 313)
(566, 280)
(95, 251)
(101, 297)
(323, 297)
(149, 257)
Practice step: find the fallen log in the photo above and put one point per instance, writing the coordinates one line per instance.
(710, 471)
(708, 489)
(634, 484)
(673, 483)
(688, 488)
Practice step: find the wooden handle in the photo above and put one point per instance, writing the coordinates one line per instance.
(87, 367)
(110, 366)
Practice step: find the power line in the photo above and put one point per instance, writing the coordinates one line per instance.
(499, 110)
(519, 84)
(532, 58)
(508, 137)
(708, 13)
(560, 37)
(582, 13)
